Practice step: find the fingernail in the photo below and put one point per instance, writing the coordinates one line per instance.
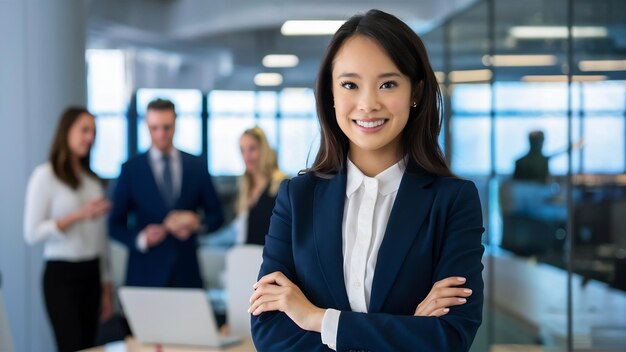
(462, 300)
(462, 279)
(446, 310)
(467, 290)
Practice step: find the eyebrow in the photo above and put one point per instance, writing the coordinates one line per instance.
(356, 75)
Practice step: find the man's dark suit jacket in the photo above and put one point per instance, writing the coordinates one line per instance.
(434, 232)
(137, 202)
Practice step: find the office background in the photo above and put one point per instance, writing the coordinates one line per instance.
(114, 56)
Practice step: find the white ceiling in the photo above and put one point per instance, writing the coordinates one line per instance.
(220, 44)
(208, 44)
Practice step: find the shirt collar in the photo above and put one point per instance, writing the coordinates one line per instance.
(157, 156)
(355, 178)
(388, 180)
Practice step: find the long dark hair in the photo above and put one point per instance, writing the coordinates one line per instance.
(60, 154)
(406, 50)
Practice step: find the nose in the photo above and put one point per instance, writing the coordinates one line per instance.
(159, 132)
(368, 101)
(91, 136)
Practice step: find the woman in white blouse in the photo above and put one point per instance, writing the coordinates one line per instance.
(65, 208)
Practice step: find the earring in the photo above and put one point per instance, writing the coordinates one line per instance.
(414, 104)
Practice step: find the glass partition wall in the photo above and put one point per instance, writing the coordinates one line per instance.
(535, 115)
(598, 211)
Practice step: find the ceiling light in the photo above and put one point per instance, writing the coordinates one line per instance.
(296, 90)
(602, 65)
(563, 78)
(470, 76)
(310, 27)
(268, 79)
(556, 32)
(280, 60)
(519, 60)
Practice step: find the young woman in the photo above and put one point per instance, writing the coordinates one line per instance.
(257, 187)
(378, 246)
(65, 205)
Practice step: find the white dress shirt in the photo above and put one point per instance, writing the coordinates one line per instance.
(155, 158)
(368, 204)
(47, 200)
(176, 166)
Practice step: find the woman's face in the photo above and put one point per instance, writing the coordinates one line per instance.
(81, 135)
(372, 97)
(251, 152)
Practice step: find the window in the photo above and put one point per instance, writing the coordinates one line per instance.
(287, 118)
(230, 113)
(522, 107)
(109, 150)
(299, 130)
(470, 145)
(107, 101)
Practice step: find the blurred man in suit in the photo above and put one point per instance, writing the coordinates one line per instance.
(162, 199)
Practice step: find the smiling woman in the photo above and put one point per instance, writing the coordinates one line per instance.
(65, 208)
(377, 246)
(372, 102)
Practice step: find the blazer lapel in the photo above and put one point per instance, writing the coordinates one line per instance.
(328, 206)
(185, 165)
(410, 208)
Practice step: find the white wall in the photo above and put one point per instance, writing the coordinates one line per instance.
(42, 70)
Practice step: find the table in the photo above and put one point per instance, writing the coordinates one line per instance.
(131, 345)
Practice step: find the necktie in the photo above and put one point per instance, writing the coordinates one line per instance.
(168, 184)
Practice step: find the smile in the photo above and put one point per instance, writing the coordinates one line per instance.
(371, 123)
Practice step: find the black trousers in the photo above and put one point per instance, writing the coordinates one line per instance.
(72, 291)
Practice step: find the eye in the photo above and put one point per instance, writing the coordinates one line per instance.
(389, 85)
(348, 85)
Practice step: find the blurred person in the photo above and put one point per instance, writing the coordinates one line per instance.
(257, 187)
(534, 165)
(163, 198)
(378, 245)
(65, 207)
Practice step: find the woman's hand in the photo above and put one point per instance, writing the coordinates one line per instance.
(92, 209)
(442, 296)
(95, 208)
(276, 292)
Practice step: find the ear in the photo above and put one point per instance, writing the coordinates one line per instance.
(418, 91)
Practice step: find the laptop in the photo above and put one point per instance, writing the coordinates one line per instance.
(177, 316)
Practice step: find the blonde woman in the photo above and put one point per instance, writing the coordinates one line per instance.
(257, 187)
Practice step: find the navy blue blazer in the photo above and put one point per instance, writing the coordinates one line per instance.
(137, 202)
(434, 232)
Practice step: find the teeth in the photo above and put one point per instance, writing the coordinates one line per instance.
(368, 124)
